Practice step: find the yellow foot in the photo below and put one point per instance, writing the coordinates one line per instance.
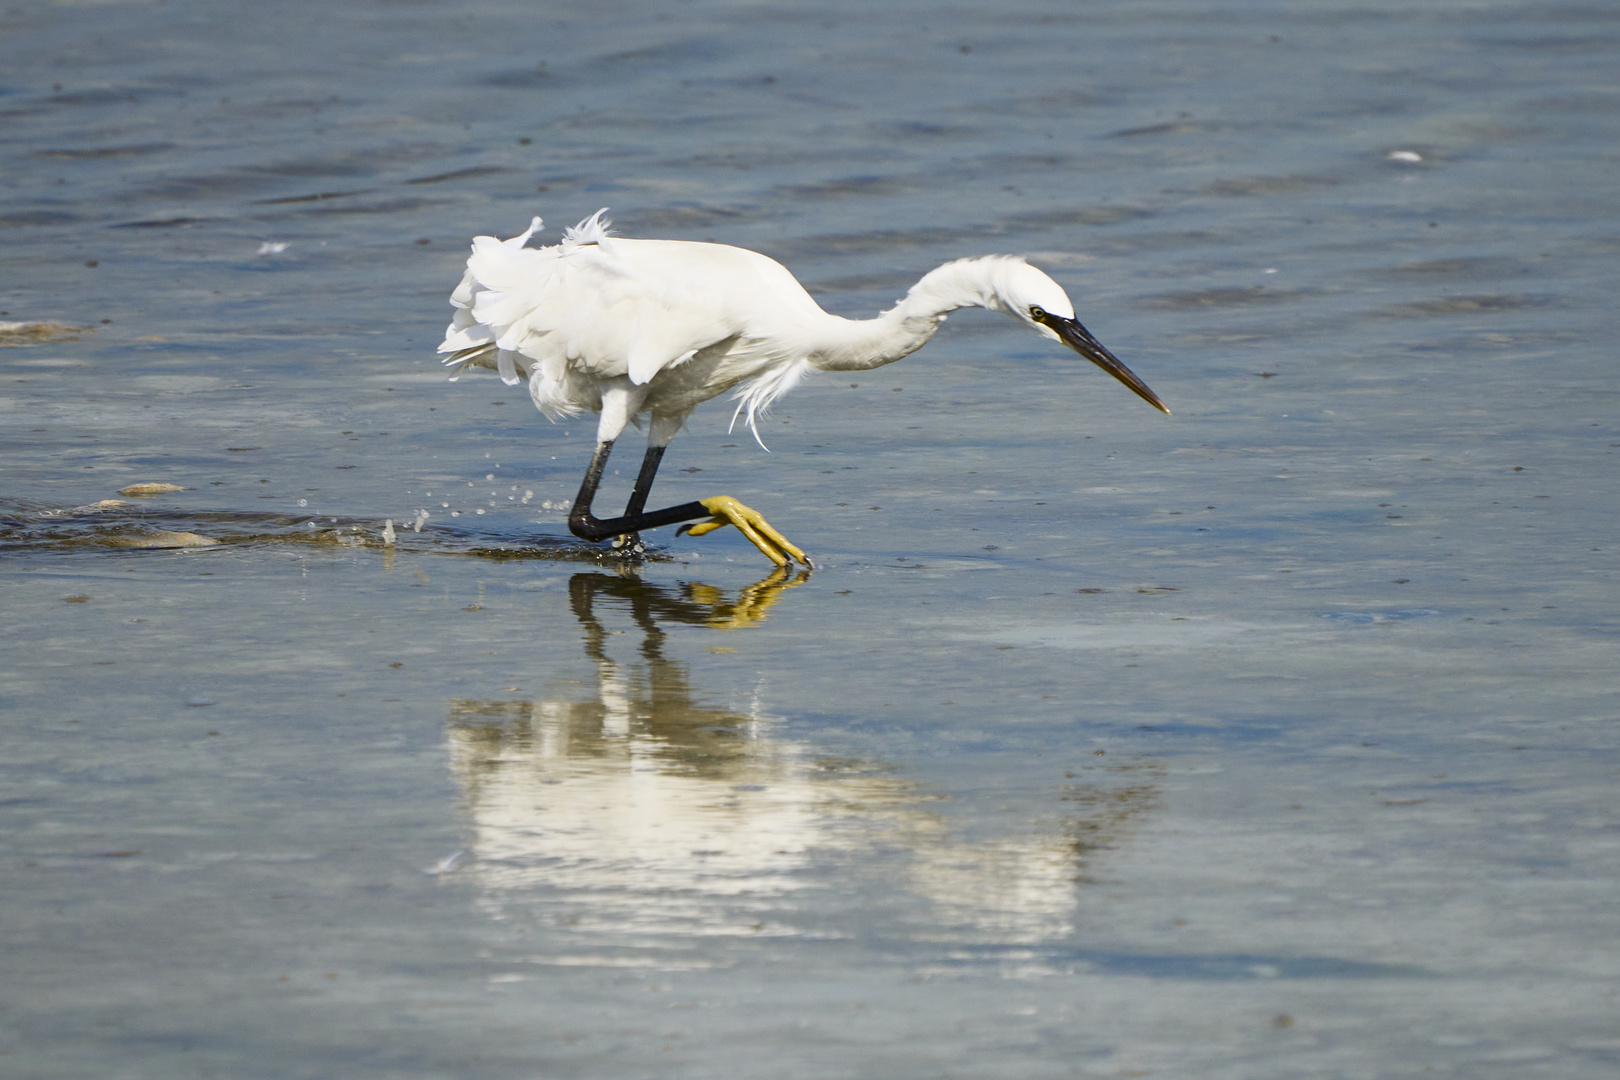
(728, 511)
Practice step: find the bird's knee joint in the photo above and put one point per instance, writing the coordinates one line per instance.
(586, 527)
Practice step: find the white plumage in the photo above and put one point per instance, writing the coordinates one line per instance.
(652, 328)
(595, 314)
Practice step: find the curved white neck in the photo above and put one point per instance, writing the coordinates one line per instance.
(863, 344)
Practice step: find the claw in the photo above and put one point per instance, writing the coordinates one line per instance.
(728, 511)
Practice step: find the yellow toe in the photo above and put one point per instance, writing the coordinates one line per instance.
(703, 528)
(728, 511)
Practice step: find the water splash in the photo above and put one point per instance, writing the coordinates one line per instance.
(112, 524)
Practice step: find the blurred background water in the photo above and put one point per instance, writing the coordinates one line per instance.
(1318, 780)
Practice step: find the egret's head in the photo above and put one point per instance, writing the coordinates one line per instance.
(1020, 290)
(1008, 284)
(1035, 299)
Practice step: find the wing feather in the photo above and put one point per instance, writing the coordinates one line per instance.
(595, 307)
(587, 302)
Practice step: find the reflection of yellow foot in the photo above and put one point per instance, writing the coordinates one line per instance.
(752, 603)
(728, 511)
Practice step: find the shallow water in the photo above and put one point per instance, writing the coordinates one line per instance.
(1316, 780)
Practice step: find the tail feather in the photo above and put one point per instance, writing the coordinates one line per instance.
(478, 356)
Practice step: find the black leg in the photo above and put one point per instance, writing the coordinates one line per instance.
(638, 494)
(644, 482)
(583, 525)
(712, 513)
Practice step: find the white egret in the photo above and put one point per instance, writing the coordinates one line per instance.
(652, 328)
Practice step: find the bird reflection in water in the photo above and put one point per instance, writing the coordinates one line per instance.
(637, 808)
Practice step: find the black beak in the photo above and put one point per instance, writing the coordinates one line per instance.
(1080, 340)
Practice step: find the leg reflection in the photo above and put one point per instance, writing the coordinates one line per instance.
(654, 805)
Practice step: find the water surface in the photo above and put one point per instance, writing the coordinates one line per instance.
(1274, 738)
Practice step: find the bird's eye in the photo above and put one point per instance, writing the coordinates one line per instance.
(1037, 313)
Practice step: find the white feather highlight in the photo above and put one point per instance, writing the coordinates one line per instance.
(506, 368)
(593, 230)
(755, 397)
